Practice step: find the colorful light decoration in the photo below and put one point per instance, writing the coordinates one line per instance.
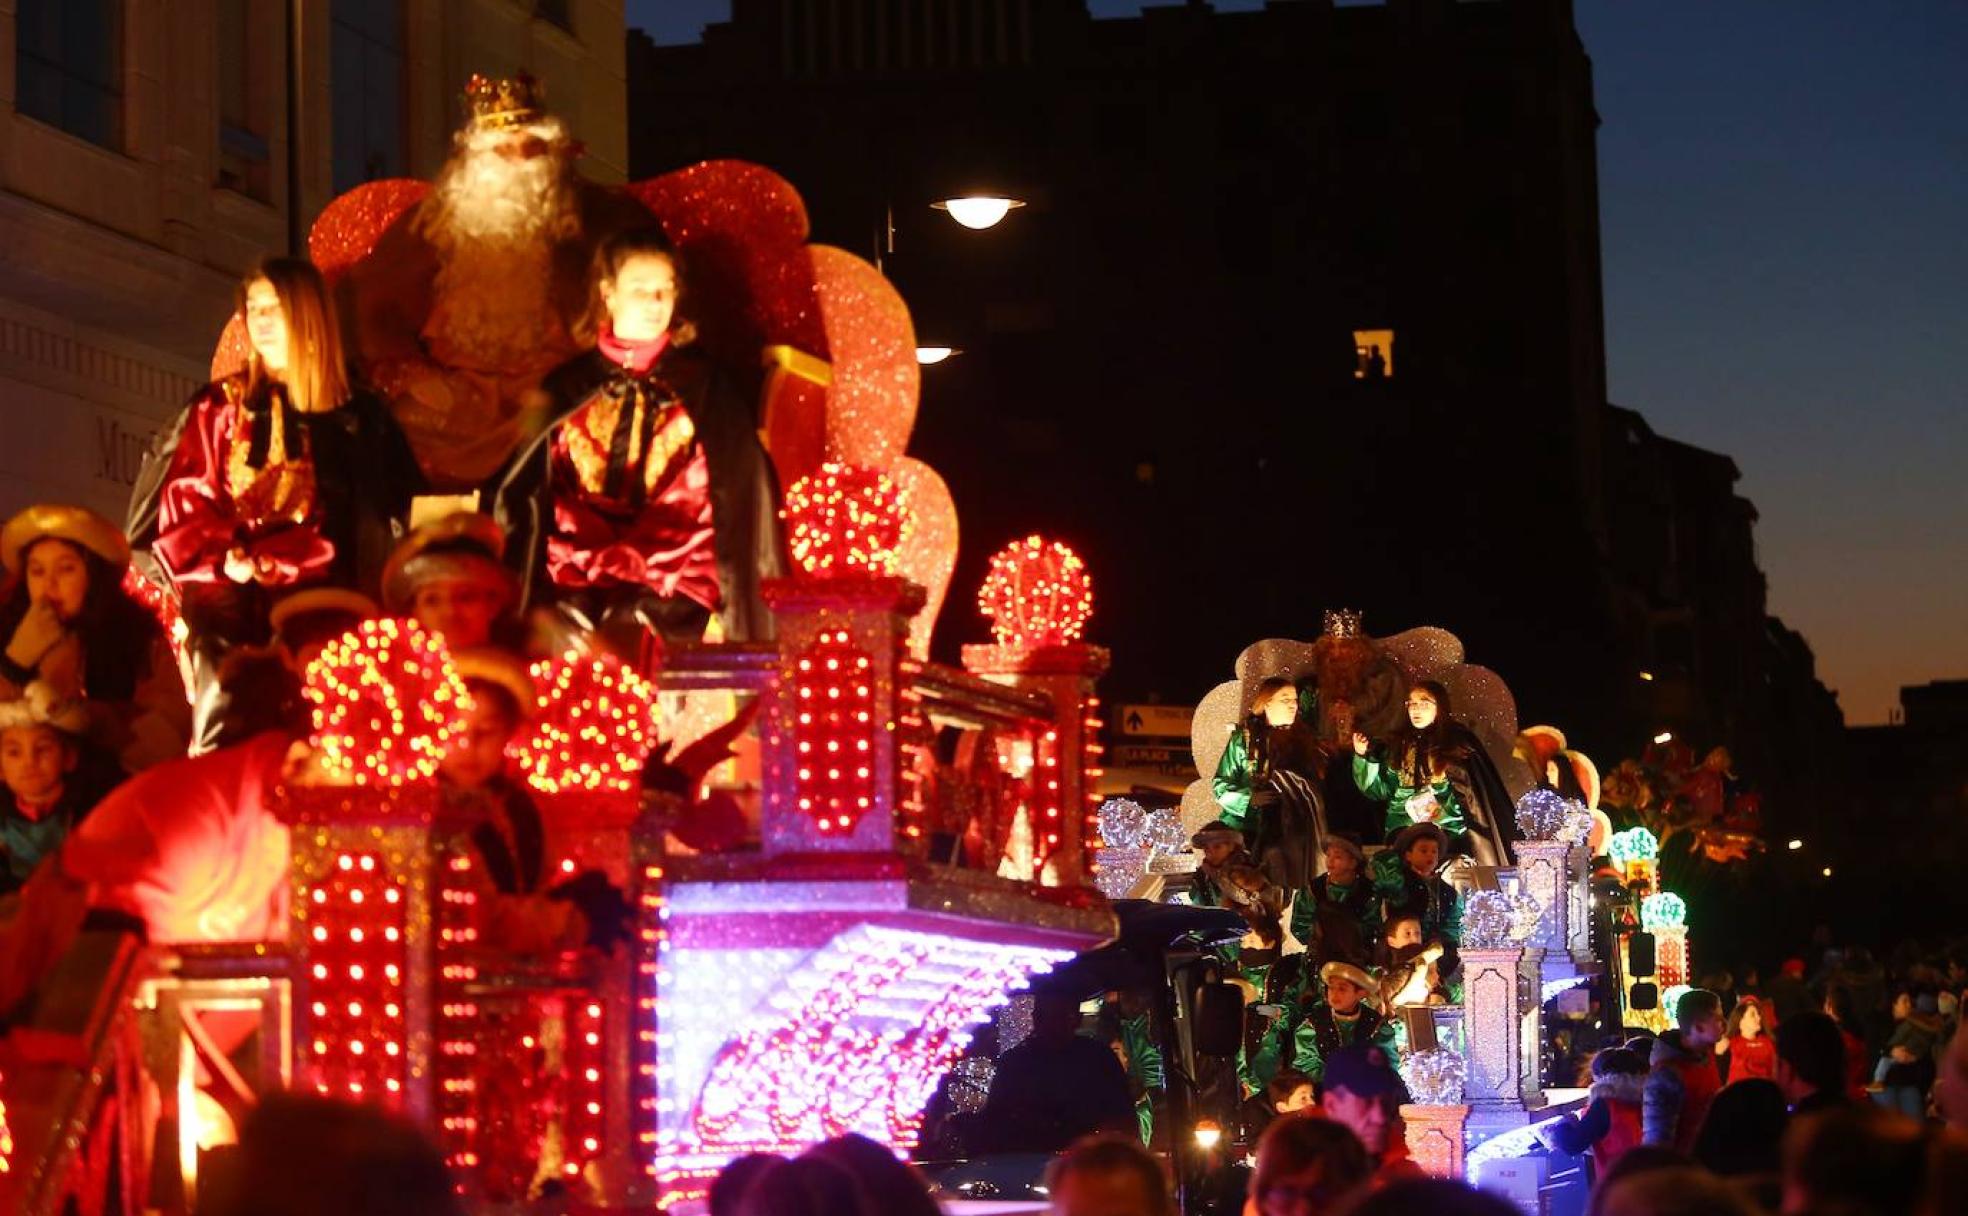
(1434, 1076)
(855, 1039)
(1633, 845)
(6, 1136)
(834, 733)
(1541, 814)
(1662, 911)
(844, 520)
(652, 945)
(584, 1135)
(356, 958)
(1037, 594)
(1671, 998)
(1498, 920)
(594, 726)
(387, 704)
(458, 1018)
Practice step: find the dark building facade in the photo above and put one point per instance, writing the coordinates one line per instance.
(1902, 845)
(1303, 311)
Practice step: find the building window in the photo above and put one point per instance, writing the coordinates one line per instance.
(68, 66)
(1373, 354)
(555, 12)
(245, 100)
(366, 81)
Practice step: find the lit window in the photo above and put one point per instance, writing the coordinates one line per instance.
(1373, 354)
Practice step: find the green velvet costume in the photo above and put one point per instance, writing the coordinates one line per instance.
(1322, 1032)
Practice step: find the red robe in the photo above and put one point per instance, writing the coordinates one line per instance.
(228, 488)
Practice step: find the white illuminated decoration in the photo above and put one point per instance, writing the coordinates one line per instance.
(978, 211)
(851, 1037)
(1434, 1076)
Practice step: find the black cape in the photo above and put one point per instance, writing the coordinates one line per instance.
(744, 491)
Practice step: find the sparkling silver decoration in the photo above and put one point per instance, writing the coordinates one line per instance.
(1434, 1076)
(1498, 920)
(1578, 823)
(1542, 814)
(970, 1083)
(1132, 838)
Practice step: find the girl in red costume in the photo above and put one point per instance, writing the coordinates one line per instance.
(283, 475)
(1748, 1050)
(647, 502)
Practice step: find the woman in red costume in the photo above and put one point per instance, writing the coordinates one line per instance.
(646, 502)
(280, 476)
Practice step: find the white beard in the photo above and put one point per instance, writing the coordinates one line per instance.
(494, 223)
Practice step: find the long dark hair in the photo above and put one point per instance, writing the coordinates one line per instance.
(1271, 747)
(1414, 751)
(117, 632)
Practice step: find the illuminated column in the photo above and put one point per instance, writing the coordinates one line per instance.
(1435, 1137)
(833, 758)
(1578, 890)
(360, 936)
(1494, 1029)
(1544, 872)
(1039, 598)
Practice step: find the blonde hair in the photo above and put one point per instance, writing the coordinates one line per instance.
(317, 374)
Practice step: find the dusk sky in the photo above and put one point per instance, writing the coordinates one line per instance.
(1784, 214)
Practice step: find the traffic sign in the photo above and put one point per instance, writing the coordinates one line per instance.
(1156, 721)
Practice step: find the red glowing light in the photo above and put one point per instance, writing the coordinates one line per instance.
(1037, 594)
(366, 967)
(843, 519)
(595, 726)
(387, 704)
(835, 671)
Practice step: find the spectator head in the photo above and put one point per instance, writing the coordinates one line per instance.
(1618, 1062)
(892, 1187)
(1108, 1176)
(1363, 1091)
(1699, 1015)
(1810, 1056)
(1306, 1166)
(1638, 1160)
(1436, 1196)
(728, 1188)
(1746, 1019)
(1289, 1092)
(804, 1186)
(1743, 1133)
(1856, 1158)
(1674, 1191)
(1838, 1005)
(1793, 968)
(307, 1156)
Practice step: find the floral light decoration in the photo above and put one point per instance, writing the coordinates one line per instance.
(1498, 920)
(1434, 1076)
(593, 729)
(1663, 911)
(1688, 803)
(1541, 814)
(1633, 845)
(845, 520)
(1130, 838)
(1037, 594)
(386, 702)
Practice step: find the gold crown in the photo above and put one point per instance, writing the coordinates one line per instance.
(504, 103)
(1342, 622)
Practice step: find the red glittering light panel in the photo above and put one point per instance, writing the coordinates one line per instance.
(387, 704)
(1037, 594)
(357, 954)
(845, 520)
(594, 728)
(835, 733)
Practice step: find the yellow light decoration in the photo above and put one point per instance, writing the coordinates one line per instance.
(386, 703)
(1038, 593)
(845, 520)
(594, 727)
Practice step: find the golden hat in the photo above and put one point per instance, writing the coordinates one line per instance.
(323, 599)
(465, 545)
(501, 667)
(1552, 733)
(41, 705)
(1347, 972)
(510, 101)
(78, 525)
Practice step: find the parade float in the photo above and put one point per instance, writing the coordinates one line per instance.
(862, 853)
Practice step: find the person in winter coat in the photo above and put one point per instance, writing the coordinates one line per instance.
(1682, 1079)
(1611, 1122)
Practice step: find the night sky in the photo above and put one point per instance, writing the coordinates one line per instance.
(1784, 214)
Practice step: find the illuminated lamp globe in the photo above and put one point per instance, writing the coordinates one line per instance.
(386, 704)
(1037, 594)
(843, 520)
(978, 211)
(594, 728)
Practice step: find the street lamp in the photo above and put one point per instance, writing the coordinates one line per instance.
(929, 356)
(1796, 845)
(978, 211)
(1666, 736)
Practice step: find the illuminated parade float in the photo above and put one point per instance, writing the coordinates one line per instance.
(789, 864)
